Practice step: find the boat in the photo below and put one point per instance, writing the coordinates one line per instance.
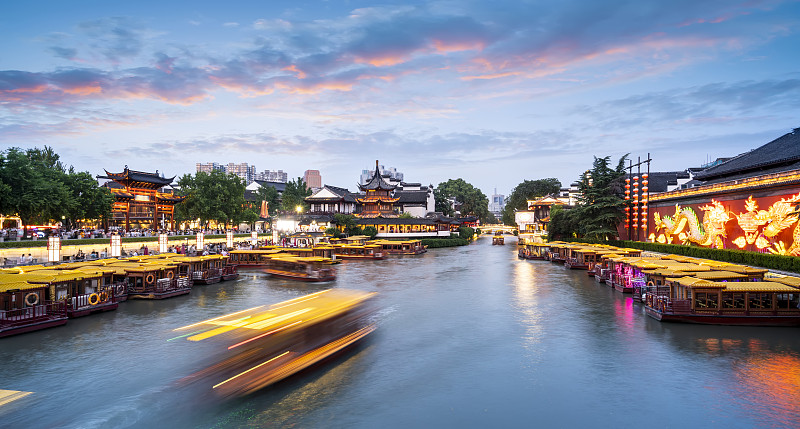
(255, 258)
(358, 251)
(265, 344)
(23, 307)
(533, 251)
(83, 292)
(498, 239)
(308, 269)
(202, 270)
(400, 247)
(693, 300)
(230, 272)
(157, 279)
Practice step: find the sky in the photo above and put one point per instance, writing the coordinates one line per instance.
(493, 92)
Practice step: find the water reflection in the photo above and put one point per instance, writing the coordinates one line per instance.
(526, 283)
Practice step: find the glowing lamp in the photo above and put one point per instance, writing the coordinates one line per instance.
(254, 236)
(229, 239)
(627, 180)
(200, 239)
(162, 243)
(645, 176)
(116, 246)
(54, 249)
(627, 186)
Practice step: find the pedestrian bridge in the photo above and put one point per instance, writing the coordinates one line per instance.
(495, 228)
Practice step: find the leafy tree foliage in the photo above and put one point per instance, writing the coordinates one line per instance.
(35, 185)
(270, 195)
(469, 199)
(406, 215)
(334, 232)
(465, 232)
(370, 231)
(346, 222)
(294, 195)
(528, 190)
(211, 196)
(600, 207)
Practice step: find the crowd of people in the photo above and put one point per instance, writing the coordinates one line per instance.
(84, 233)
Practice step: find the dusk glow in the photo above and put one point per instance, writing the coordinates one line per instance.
(493, 92)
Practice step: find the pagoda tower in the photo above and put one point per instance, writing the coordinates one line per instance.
(377, 200)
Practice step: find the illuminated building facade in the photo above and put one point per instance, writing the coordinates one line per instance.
(749, 202)
(139, 202)
(377, 200)
(532, 223)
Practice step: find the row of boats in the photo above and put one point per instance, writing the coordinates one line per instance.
(677, 288)
(34, 297)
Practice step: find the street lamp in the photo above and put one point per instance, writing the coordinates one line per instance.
(116, 246)
(53, 249)
(162, 243)
(299, 209)
(229, 239)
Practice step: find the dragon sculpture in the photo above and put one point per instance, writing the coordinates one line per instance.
(778, 217)
(709, 233)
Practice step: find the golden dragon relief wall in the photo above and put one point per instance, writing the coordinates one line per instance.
(775, 229)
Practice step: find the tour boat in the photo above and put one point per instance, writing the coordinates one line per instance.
(83, 292)
(400, 247)
(25, 308)
(692, 300)
(498, 239)
(308, 269)
(153, 280)
(256, 258)
(203, 270)
(230, 272)
(533, 251)
(265, 344)
(358, 251)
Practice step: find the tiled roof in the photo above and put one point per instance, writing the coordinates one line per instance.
(412, 197)
(781, 154)
(376, 182)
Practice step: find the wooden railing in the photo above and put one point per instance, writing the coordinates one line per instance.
(24, 316)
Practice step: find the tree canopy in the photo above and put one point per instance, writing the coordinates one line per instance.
(601, 205)
(468, 199)
(211, 196)
(528, 190)
(36, 186)
(294, 195)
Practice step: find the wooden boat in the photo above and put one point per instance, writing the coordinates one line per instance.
(694, 300)
(498, 239)
(581, 259)
(202, 270)
(256, 258)
(533, 251)
(263, 345)
(358, 251)
(400, 247)
(230, 272)
(153, 280)
(308, 269)
(323, 251)
(23, 307)
(82, 291)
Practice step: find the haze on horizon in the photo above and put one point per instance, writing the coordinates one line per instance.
(492, 92)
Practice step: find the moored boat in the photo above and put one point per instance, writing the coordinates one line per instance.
(23, 307)
(400, 247)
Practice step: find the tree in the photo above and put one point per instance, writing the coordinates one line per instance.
(469, 199)
(406, 215)
(370, 231)
(36, 179)
(294, 195)
(211, 196)
(88, 201)
(600, 205)
(528, 190)
(347, 222)
(334, 232)
(465, 232)
(270, 195)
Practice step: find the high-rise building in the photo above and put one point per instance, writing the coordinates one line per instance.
(209, 167)
(497, 204)
(244, 171)
(272, 176)
(390, 174)
(313, 179)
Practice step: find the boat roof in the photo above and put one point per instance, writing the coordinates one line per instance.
(19, 285)
(787, 280)
(294, 313)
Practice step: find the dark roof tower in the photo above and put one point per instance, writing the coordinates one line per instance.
(376, 182)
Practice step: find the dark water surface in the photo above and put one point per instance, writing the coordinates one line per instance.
(467, 336)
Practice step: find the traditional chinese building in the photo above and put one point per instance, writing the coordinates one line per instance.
(139, 200)
(532, 223)
(377, 200)
(749, 202)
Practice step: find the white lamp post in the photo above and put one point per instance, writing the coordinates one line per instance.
(54, 249)
(162, 243)
(229, 239)
(200, 241)
(116, 246)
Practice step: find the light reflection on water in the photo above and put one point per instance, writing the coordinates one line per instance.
(469, 336)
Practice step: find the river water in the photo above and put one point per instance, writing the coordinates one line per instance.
(468, 336)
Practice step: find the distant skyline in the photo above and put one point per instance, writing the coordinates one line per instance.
(494, 92)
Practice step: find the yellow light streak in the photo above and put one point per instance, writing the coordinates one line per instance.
(216, 318)
(265, 334)
(261, 324)
(251, 369)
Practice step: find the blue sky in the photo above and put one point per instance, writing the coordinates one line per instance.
(493, 92)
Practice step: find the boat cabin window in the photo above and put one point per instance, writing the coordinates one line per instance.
(788, 301)
(705, 300)
(760, 301)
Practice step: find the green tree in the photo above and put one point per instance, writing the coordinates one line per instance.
(562, 224)
(36, 181)
(528, 190)
(465, 232)
(270, 195)
(370, 231)
(88, 201)
(406, 215)
(346, 222)
(211, 196)
(334, 232)
(294, 195)
(471, 200)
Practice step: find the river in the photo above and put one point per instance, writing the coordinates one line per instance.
(468, 336)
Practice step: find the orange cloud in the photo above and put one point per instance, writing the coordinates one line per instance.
(84, 90)
(299, 73)
(445, 47)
